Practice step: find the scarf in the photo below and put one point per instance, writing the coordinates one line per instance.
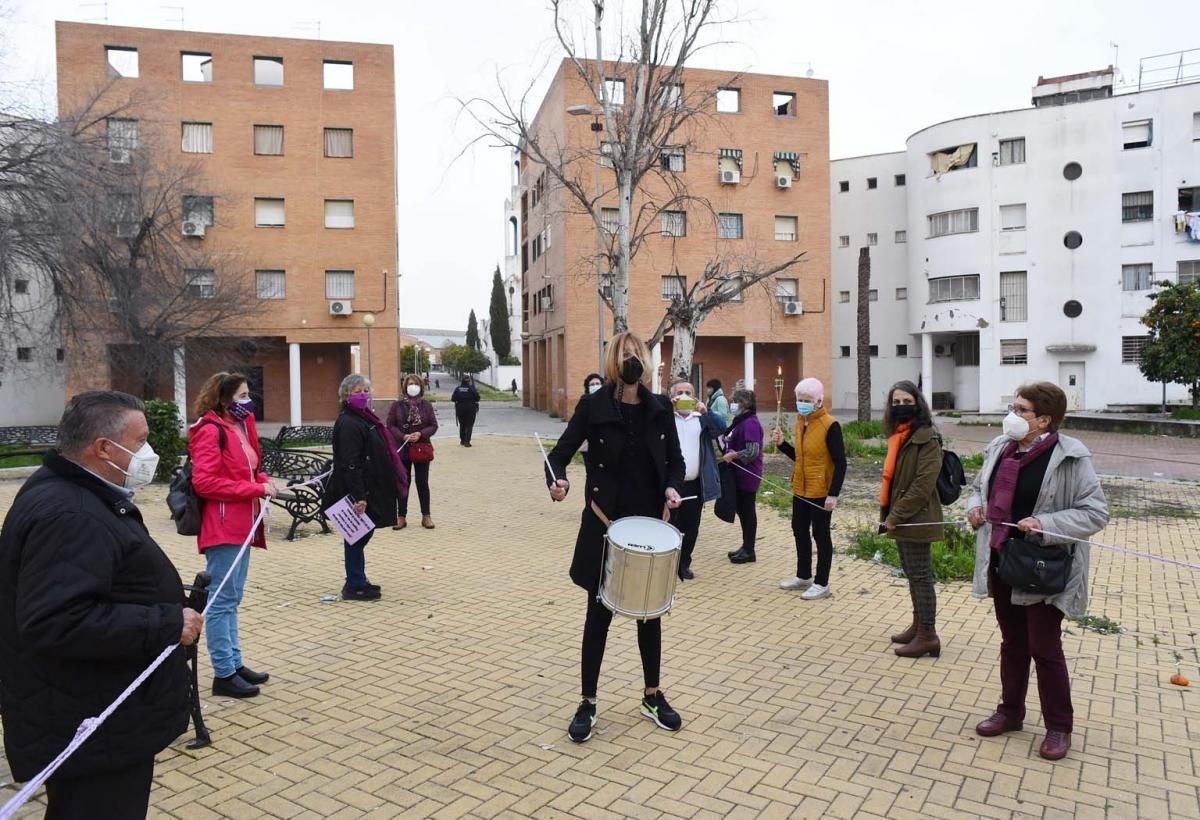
(1004, 487)
(398, 469)
(895, 442)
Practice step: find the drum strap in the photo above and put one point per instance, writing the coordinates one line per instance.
(600, 514)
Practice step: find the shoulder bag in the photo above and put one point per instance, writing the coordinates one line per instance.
(1036, 568)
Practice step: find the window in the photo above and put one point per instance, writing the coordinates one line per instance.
(122, 62)
(198, 209)
(785, 228)
(1187, 271)
(954, 288)
(672, 95)
(616, 91)
(787, 290)
(201, 284)
(872, 295)
(24, 354)
(843, 241)
(954, 158)
(674, 223)
(872, 183)
(845, 350)
(1137, 207)
(844, 186)
(872, 239)
(873, 351)
(1014, 298)
(672, 287)
(901, 237)
(1189, 199)
(196, 67)
(950, 222)
(784, 103)
(901, 351)
(729, 226)
(268, 140)
(339, 75)
(901, 294)
(1131, 348)
(1014, 351)
(673, 159)
(966, 350)
(122, 138)
(197, 138)
(1136, 277)
(843, 296)
(339, 142)
(901, 181)
(270, 284)
(268, 71)
(339, 213)
(729, 100)
(1137, 134)
(20, 286)
(339, 284)
(124, 214)
(1012, 217)
(1012, 152)
(609, 219)
(268, 212)
(1196, 127)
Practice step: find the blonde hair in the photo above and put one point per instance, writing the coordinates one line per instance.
(615, 353)
(413, 378)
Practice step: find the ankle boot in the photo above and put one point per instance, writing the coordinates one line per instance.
(925, 643)
(907, 635)
(401, 523)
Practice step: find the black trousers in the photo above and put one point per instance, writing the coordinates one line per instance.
(807, 517)
(747, 514)
(421, 468)
(595, 636)
(686, 519)
(466, 425)
(120, 795)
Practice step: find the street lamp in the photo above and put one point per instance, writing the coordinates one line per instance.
(368, 320)
(597, 128)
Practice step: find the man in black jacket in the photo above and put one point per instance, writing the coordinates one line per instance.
(466, 407)
(87, 601)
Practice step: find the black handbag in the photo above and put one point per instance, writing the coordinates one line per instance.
(1036, 568)
(726, 506)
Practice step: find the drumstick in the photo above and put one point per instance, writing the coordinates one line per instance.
(545, 458)
(689, 498)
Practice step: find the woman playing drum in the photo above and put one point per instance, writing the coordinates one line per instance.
(634, 467)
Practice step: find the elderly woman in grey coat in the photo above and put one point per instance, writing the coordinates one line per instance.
(1043, 483)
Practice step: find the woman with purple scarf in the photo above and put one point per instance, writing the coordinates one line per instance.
(367, 468)
(744, 449)
(1038, 485)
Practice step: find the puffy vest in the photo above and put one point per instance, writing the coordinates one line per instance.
(813, 472)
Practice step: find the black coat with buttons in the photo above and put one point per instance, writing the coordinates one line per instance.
(597, 420)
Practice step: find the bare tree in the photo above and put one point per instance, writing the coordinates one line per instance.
(864, 334)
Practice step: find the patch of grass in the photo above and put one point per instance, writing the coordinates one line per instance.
(1099, 624)
(486, 394)
(863, 429)
(953, 557)
(25, 459)
(1185, 414)
(972, 462)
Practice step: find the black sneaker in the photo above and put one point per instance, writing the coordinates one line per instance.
(363, 594)
(250, 676)
(580, 729)
(658, 710)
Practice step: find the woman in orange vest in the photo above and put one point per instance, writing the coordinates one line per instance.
(820, 456)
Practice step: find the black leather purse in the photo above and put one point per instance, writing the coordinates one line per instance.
(1036, 568)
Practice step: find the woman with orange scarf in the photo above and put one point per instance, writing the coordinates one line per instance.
(911, 511)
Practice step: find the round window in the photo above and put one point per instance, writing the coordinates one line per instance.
(1072, 171)
(1073, 239)
(1072, 309)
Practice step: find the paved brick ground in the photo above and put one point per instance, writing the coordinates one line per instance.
(451, 696)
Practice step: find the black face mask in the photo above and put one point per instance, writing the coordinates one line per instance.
(904, 412)
(632, 370)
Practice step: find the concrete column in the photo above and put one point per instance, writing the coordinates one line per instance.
(656, 367)
(180, 387)
(927, 367)
(355, 359)
(748, 366)
(294, 382)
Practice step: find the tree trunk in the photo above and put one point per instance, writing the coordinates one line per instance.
(864, 334)
(683, 349)
(620, 296)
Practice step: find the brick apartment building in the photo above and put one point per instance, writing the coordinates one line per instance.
(761, 128)
(297, 139)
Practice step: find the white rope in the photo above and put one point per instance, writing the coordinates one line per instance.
(1123, 550)
(545, 458)
(779, 487)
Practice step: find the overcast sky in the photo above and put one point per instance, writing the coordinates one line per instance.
(893, 67)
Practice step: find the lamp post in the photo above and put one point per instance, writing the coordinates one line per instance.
(597, 128)
(368, 320)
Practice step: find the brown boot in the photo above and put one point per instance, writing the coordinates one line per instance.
(427, 522)
(401, 523)
(925, 643)
(908, 634)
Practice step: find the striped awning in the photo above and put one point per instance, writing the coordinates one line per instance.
(790, 157)
(734, 154)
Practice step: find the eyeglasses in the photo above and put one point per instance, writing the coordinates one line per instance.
(1021, 411)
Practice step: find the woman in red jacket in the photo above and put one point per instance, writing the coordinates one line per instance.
(227, 475)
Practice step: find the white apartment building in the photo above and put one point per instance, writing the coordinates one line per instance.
(1021, 245)
(32, 374)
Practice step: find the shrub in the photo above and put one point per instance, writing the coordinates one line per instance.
(509, 361)
(163, 420)
(1185, 414)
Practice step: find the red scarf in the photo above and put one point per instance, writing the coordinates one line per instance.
(398, 469)
(1004, 486)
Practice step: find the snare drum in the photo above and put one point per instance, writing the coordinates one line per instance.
(641, 567)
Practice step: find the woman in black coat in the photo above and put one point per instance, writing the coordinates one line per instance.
(367, 468)
(634, 467)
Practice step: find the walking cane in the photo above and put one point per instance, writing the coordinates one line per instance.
(197, 599)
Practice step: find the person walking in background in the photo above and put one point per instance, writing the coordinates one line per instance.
(227, 476)
(466, 408)
(412, 419)
(744, 449)
(911, 510)
(514, 387)
(718, 406)
(367, 468)
(1036, 478)
(820, 469)
(697, 431)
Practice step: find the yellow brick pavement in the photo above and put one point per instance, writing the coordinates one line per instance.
(451, 696)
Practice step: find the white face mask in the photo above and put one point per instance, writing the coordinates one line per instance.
(1015, 427)
(592, 388)
(413, 390)
(735, 408)
(141, 467)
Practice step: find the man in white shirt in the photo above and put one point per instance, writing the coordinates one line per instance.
(701, 481)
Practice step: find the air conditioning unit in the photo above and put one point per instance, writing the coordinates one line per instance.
(783, 182)
(340, 307)
(194, 228)
(547, 303)
(793, 308)
(731, 177)
(120, 155)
